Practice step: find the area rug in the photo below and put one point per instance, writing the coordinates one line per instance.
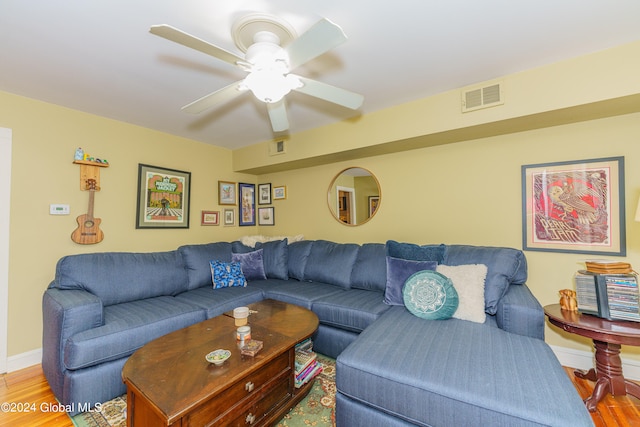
(316, 409)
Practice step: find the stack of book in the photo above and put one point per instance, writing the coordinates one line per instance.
(307, 365)
(605, 266)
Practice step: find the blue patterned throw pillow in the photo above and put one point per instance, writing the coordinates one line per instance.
(226, 274)
(430, 295)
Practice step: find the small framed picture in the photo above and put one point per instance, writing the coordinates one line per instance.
(229, 217)
(374, 201)
(265, 216)
(210, 218)
(264, 194)
(227, 193)
(280, 192)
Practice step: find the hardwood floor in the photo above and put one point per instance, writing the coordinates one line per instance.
(29, 392)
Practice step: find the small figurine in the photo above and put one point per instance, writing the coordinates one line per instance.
(568, 300)
(79, 154)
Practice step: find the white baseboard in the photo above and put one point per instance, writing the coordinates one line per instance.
(24, 360)
(586, 360)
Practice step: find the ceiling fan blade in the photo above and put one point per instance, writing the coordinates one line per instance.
(220, 96)
(322, 37)
(330, 93)
(278, 116)
(175, 35)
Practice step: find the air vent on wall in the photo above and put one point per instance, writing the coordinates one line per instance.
(277, 147)
(482, 97)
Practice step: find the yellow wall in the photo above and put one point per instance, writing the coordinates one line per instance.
(44, 141)
(444, 176)
(469, 193)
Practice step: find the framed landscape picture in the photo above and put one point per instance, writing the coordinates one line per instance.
(163, 197)
(227, 193)
(210, 218)
(574, 206)
(279, 192)
(265, 216)
(247, 204)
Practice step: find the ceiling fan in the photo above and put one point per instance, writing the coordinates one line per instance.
(271, 50)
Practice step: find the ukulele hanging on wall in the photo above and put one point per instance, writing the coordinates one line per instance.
(88, 231)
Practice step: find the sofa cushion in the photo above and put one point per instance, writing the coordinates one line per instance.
(351, 309)
(127, 327)
(457, 373)
(298, 257)
(369, 270)
(196, 260)
(430, 295)
(416, 252)
(331, 263)
(118, 277)
(216, 302)
(251, 264)
(398, 271)
(469, 283)
(504, 266)
(294, 291)
(275, 257)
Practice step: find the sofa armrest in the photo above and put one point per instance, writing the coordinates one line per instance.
(520, 312)
(65, 313)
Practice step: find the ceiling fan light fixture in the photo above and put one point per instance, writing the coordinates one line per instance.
(270, 85)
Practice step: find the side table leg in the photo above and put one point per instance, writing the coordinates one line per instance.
(586, 375)
(607, 374)
(632, 388)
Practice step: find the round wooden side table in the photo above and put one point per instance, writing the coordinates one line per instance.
(607, 336)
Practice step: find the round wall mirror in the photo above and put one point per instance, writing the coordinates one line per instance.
(354, 196)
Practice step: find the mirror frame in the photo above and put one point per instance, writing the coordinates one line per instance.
(330, 201)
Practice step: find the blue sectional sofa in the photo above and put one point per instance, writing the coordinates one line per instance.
(393, 368)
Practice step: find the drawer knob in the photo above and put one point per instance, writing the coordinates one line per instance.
(249, 386)
(250, 419)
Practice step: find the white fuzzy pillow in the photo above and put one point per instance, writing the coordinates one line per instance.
(469, 283)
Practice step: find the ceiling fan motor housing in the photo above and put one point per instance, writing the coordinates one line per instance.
(268, 68)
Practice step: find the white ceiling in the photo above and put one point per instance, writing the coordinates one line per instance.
(98, 55)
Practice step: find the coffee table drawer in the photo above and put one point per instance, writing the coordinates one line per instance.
(270, 402)
(244, 392)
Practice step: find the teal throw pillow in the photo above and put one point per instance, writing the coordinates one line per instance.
(430, 295)
(227, 274)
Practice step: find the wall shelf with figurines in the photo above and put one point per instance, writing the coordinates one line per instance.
(89, 168)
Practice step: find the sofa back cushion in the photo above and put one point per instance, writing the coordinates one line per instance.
(331, 263)
(196, 260)
(505, 266)
(298, 256)
(369, 270)
(275, 257)
(117, 277)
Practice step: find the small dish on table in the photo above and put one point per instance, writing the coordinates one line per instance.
(218, 357)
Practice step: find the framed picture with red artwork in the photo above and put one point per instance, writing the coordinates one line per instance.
(574, 207)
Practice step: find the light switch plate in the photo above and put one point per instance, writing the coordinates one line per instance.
(57, 209)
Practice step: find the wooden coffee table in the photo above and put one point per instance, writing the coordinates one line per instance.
(607, 336)
(170, 383)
